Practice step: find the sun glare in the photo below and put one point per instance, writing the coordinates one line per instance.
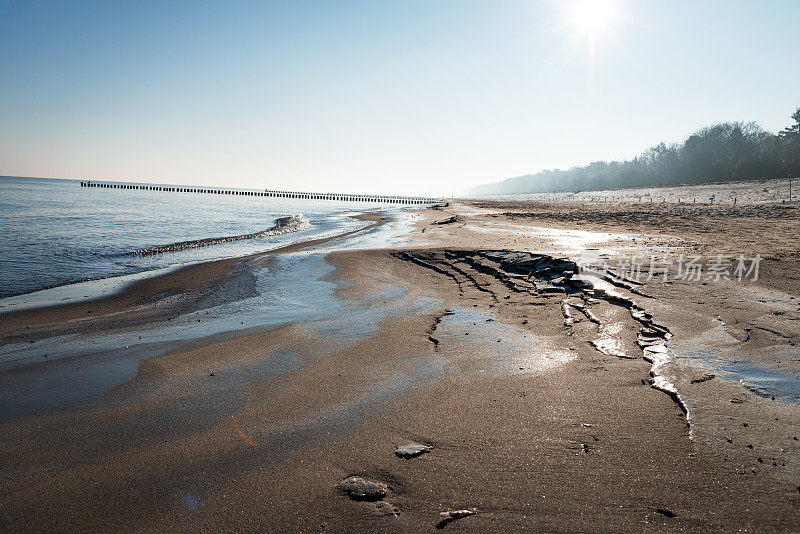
(590, 20)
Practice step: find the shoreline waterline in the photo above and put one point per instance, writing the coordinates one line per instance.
(57, 233)
(87, 291)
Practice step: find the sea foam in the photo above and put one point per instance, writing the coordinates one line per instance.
(283, 225)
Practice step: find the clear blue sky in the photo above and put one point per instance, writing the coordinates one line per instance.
(407, 96)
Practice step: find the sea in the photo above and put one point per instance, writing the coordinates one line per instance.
(54, 233)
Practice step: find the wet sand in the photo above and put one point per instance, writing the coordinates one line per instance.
(528, 423)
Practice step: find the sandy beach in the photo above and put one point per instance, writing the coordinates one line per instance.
(545, 397)
(399, 267)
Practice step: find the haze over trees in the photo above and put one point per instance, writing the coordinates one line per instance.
(723, 152)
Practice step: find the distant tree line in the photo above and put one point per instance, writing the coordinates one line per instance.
(723, 152)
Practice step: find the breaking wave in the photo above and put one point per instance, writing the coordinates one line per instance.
(283, 225)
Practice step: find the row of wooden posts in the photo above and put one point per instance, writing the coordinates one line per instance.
(268, 193)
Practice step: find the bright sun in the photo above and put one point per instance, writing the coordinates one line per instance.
(591, 19)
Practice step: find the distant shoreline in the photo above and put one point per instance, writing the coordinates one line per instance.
(743, 192)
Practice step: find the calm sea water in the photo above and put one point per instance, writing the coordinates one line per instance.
(54, 232)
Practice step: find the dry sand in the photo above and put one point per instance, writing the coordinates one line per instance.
(766, 191)
(529, 425)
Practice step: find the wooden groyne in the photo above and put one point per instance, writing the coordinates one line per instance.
(343, 197)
